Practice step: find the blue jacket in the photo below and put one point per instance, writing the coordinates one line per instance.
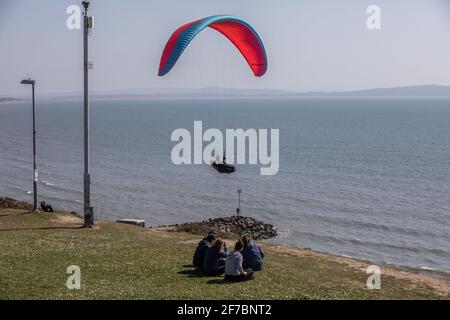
(200, 252)
(253, 256)
(212, 260)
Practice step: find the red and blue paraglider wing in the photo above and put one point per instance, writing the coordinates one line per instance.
(239, 32)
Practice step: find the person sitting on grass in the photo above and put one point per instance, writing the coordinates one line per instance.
(200, 251)
(252, 254)
(234, 271)
(46, 207)
(215, 257)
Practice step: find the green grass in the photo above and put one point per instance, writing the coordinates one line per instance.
(125, 262)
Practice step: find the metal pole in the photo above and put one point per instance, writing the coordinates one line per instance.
(238, 210)
(35, 177)
(88, 210)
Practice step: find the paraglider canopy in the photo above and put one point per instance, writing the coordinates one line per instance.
(239, 32)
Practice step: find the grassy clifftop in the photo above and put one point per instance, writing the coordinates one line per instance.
(125, 262)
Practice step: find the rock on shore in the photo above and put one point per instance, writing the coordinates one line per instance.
(8, 203)
(230, 227)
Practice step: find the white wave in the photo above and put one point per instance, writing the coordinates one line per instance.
(428, 269)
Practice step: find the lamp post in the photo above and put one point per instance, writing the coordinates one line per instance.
(88, 23)
(35, 173)
(238, 210)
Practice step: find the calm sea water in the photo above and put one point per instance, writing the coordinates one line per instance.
(366, 178)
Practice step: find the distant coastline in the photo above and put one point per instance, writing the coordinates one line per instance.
(9, 99)
(419, 91)
(426, 91)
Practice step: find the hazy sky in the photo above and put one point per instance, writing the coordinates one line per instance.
(311, 45)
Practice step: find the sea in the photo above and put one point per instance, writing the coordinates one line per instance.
(360, 177)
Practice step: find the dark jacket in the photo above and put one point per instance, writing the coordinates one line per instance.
(199, 255)
(253, 256)
(213, 261)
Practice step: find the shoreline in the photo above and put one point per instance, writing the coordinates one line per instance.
(322, 271)
(428, 272)
(416, 275)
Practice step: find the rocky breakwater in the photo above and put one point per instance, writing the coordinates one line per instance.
(230, 227)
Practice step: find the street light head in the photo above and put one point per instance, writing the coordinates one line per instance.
(239, 191)
(28, 81)
(85, 4)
